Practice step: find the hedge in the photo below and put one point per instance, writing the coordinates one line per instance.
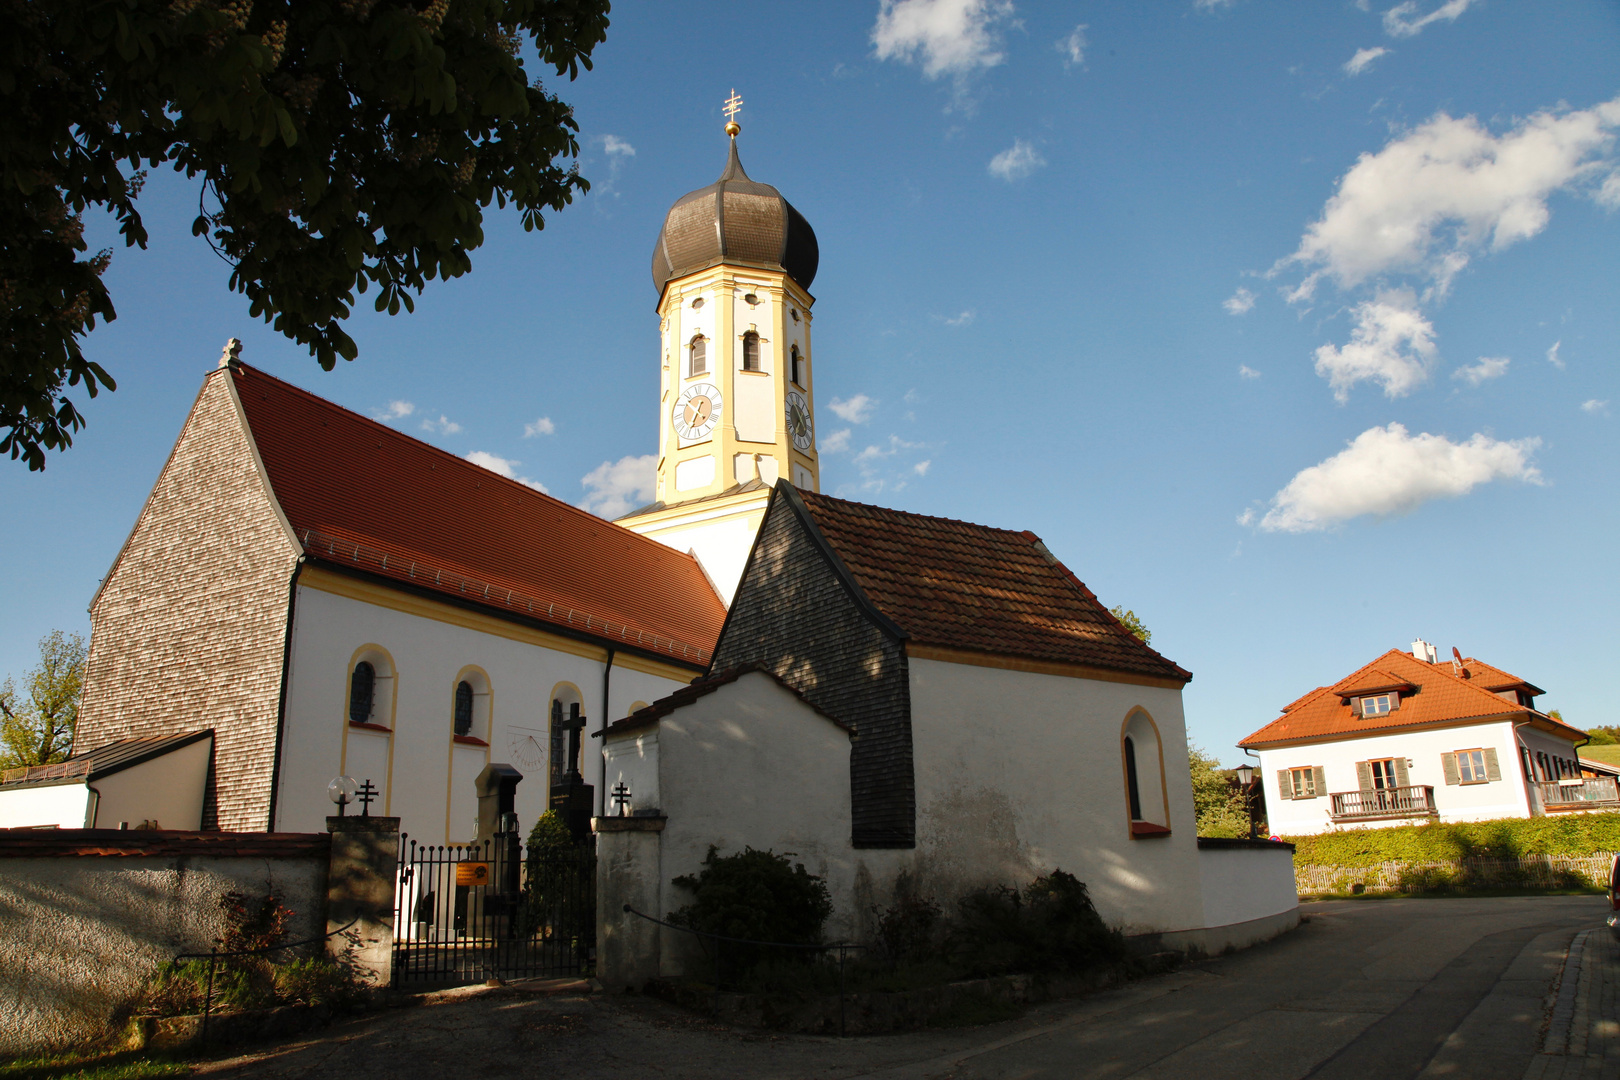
(1505, 838)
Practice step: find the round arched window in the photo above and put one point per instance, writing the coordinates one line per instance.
(700, 356)
(464, 708)
(362, 692)
(750, 351)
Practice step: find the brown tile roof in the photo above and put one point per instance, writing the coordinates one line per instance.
(359, 493)
(963, 586)
(699, 688)
(161, 843)
(1442, 698)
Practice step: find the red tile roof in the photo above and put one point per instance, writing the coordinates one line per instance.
(1442, 697)
(359, 493)
(161, 843)
(958, 585)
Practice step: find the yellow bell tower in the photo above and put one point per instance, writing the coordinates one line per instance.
(733, 266)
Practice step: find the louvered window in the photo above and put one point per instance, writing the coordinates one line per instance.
(362, 692)
(464, 708)
(797, 365)
(700, 356)
(750, 351)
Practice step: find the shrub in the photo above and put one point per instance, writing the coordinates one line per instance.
(1051, 926)
(907, 931)
(757, 895)
(550, 836)
(316, 982)
(252, 922)
(1506, 838)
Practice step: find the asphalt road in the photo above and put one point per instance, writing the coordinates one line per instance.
(1369, 990)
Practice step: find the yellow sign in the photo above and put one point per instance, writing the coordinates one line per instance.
(472, 873)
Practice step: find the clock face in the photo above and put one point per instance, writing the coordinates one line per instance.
(798, 420)
(697, 411)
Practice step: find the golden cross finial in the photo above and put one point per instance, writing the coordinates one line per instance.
(734, 105)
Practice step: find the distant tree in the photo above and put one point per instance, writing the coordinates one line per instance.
(36, 727)
(1217, 801)
(337, 146)
(1133, 624)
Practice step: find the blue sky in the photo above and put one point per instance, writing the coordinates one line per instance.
(1292, 327)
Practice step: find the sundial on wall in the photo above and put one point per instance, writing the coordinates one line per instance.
(527, 747)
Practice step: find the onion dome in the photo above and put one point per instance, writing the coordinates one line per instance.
(735, 221)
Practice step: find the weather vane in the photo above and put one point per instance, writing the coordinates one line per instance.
(734, 105)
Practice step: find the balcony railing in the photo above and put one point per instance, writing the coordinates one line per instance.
(1394, 802)
(1602, 791)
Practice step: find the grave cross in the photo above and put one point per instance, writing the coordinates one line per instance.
(368, 792)
(621, 797)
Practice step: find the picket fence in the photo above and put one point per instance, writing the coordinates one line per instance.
(1530, 872)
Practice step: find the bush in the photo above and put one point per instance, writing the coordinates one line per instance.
(757, 895)
(316, 982)
(1051, 926)
(1507, 838)
(907, 931)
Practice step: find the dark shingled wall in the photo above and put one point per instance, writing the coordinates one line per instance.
(794, 614)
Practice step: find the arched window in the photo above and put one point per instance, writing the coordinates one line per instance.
(1146, 795)
(750, 351)
(464, 708)
(1133, 786)
(700, 356)
(362, 692)
(797, 365)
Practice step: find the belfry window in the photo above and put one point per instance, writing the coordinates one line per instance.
(362, 692)
(700, 356)
(464, 708)
(750, 351)
(797, 366)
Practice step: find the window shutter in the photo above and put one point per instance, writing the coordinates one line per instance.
(1355, 706)
(1493, 771)
(1284, 784)
(1394, 700)
(1402, 779)
(1364, 775)
(1449, 763)
(1321, 779)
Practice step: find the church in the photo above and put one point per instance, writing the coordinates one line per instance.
(903, 701)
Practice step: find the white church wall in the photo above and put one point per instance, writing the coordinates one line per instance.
(65, 805)
(1019, 773)
(721, 538)
(429, 654)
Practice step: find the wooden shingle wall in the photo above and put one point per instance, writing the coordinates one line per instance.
(188, 630)
(793, 614)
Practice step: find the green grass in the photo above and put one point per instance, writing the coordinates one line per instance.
(1609, 755)
(125, 1065)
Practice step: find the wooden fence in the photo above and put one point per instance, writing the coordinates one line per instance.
(1528, 872)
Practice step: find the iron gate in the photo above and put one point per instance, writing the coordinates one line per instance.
(471, 912)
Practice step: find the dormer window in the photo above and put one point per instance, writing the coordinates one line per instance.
(700, 356)
(750, 351)
(1376, 704)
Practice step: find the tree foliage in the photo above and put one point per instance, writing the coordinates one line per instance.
(36, 725)
(1132, 623)
(338, 145)
(1504, 838)
(1217, 800)
(757, 896)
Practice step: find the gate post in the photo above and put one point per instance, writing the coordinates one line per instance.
(627, 872)
(360, 883)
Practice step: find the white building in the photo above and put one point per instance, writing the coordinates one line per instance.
(1411, 738)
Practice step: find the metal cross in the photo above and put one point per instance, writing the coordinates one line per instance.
(734, 105)
(621, 797)
(367, 792)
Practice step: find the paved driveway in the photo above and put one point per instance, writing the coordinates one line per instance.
(1365, 990)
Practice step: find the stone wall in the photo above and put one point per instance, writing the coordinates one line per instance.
(189, 628)
(87, 915)
(796, 613)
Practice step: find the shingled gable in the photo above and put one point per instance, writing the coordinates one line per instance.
(1440, 698)
(361, 496)
(959, 586)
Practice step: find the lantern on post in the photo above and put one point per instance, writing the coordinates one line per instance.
(342, 791)
(1245, 775)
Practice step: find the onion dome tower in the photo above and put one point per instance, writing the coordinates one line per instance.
(732, 265)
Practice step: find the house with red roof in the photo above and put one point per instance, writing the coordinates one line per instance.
(327, 596)
(1411, 738)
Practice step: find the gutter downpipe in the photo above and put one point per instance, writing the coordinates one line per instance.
(601, 728)
(95, 807)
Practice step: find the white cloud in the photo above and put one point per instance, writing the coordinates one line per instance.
(1211, 5)
(1488, 368)
(395, 410)
(1437, 193)
(1553, 358)
(857, 410)
(506, 467)
(1240, 302)
(1392, 344)
(1073, 47)
(1016, 162)
(1247, 372)
(948, 37)
(614, 488)
(1595, 407)
(442, 426)
(836, 443)
(1398, 21)
(1608, 196)
(613, 146)
(963, 319)
(1387, 471)
(921, 468)
(1247, 517)
(542, 426)
(1363, 59)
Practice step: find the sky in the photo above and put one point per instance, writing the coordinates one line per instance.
(1294, 328)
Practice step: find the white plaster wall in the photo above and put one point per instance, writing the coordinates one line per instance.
(632, 760)
(1243, 884)
(721, 544)
(1424, 749)
(761, 318)
(82, 935)
(168, 790)
(1020, 773)
(428, 655)
(65, 805)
